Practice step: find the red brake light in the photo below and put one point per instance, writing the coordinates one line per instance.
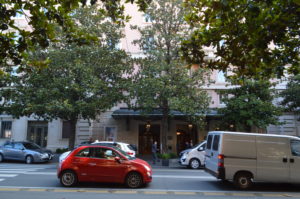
(129, 153)
(220, 160)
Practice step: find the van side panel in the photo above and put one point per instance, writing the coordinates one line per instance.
(272, 159)
(239, 154)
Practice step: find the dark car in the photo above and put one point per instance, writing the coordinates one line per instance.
(24, 151)
(98, 163)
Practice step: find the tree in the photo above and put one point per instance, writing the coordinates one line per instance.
(80, 82)
(258, 38)
(291, 96)
(163, 81)
(43, 16)
(250, 105)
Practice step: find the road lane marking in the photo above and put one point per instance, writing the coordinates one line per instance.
(184, 193)
(184, 177)
(155, 192)
(1, 179)
(8, 175)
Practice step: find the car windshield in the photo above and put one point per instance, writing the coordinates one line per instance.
(196, 146)
(31, 146)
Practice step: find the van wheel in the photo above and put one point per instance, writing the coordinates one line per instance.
(134, 180)
(68, 178)
(195, 163)
(29, 159)
(243, 180)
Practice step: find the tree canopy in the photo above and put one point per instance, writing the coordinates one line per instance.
(80, 82)
(291, 95)
(42, 17)
(163, 81)
(250, 104)
(251, 38)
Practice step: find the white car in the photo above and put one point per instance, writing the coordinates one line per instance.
(128, 148)
(194, 157)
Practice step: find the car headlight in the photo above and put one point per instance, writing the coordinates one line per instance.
(147, 168)
(44, 155)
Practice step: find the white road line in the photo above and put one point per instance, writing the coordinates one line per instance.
(1, 179)
(8, 175)
(184, 177)
(18, 169)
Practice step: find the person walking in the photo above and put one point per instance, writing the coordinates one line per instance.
(154, 151)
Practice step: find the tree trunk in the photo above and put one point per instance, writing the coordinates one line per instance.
(165, 127)
(73, 123)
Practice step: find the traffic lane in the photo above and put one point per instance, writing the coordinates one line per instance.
(167, 182)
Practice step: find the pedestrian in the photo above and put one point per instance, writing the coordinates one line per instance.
(187, 145)
(191, 144)
(154, 151)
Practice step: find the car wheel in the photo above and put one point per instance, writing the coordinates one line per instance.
(68, 178)
(29, 159)
(195, 164)
(134, 180)
(243, 180)
(1, 158)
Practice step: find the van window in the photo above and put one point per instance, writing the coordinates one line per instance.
(295, 147)
(216, 142)
(209, 139)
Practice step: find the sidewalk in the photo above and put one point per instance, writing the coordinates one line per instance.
(173, 163)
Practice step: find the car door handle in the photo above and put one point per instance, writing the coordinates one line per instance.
(284, 160)
(292, 160)
(92, 164)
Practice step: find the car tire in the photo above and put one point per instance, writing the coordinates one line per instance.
(134, 180)
(243, 180)
(195, 163)
(68, 178)
(1, 158)
(29, 159)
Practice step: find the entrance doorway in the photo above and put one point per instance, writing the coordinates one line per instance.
(185, 134)
(37, 132)
(147, 135)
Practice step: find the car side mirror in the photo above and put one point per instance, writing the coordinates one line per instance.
(201, 149)
(118, 159)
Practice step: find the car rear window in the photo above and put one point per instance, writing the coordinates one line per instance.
(216, 142)
(209, 140)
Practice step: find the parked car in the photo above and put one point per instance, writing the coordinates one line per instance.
(100, 163)
(194, 157)
(248, 157)
(24, 151)
(130, 149)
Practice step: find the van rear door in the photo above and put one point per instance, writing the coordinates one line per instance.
(212, 152)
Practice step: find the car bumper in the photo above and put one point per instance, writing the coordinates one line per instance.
(220, 174)
(183, 161)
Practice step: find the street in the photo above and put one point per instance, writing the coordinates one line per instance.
(19, 180)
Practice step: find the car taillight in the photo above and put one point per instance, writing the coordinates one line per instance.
(129, 153)
(220, 160)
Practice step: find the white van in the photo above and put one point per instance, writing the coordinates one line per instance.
(248, 157)
(194, 157)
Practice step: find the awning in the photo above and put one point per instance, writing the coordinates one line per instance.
(155, 114)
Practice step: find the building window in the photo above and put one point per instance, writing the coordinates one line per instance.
(6, 129)
(110, 133)
(147, 18)
(222, 97)
(66, 130)
(221, 77)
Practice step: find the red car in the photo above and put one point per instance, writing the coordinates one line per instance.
(94, 163)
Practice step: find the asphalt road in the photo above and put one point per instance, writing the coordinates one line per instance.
(19, 180)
